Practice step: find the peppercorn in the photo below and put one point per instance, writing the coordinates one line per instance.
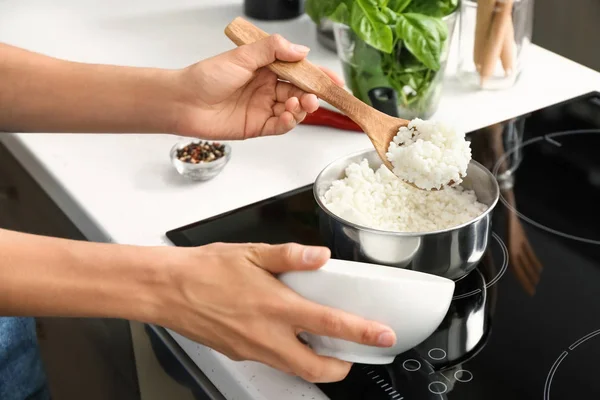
(201, 152)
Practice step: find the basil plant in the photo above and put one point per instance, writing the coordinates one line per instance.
(391, 50)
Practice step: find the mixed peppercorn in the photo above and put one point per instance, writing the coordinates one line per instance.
(201, 152)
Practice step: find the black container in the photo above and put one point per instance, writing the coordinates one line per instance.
(272, 10)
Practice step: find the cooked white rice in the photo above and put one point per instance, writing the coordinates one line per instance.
(429, 154)
(379, 200)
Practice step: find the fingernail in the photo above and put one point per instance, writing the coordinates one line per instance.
(312, 255)
(300, 49)
(386, 339)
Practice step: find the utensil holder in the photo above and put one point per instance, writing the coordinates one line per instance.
(494, 36)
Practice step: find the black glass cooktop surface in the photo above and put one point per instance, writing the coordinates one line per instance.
(526, 323)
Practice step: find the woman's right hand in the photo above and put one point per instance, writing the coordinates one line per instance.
(226, 297)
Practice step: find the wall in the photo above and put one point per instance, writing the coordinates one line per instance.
(569, 28)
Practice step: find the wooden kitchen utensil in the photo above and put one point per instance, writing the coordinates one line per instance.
(500, 23)
(379, 127)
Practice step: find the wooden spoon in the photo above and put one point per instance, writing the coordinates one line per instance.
(379, 127)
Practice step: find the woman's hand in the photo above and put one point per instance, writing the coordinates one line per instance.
(233, 95)
(228, 96)
(226, 297)
(222, 295)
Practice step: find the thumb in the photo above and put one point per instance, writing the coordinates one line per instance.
(289, 257)
(265, 51)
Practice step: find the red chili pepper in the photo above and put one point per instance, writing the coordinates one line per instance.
(325, 117)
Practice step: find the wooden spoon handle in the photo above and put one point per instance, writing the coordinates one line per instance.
(303, 74)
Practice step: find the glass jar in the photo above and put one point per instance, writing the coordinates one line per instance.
(497, 33)
(325, 34)
(396, 83)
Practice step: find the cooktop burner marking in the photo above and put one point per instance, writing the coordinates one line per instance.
(504, 266)
(499, 275)
(440, 356)
(551, 374)
(560, 358)
(437, 387)
(462, 375)
(385, 386)
(464, 295)
(583, 339)
(547, 137)
(430, 366)
(411, 365)
(552, 141)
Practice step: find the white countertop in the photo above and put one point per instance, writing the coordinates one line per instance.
(122, 188)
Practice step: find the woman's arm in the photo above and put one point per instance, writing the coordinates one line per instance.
(222, 295)
(43, 276)
(44, 94)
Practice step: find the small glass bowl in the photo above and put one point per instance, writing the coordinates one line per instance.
(201, 171)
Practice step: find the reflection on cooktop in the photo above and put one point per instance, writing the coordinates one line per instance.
(525, 324)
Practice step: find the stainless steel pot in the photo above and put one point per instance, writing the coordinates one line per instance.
(466, 324)
(451, 253)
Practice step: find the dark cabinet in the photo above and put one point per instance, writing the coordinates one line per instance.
(85, 358)
(25, 207)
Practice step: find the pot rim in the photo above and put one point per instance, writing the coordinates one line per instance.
(363, 228)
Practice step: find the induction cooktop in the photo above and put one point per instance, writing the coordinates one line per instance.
(525, 324)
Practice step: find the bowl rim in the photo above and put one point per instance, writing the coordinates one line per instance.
(368, 272)
(207, 165)
(364, 228)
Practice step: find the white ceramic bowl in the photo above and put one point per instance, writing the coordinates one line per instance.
(412, 303)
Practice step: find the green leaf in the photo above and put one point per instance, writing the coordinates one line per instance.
(370, 24)
(432, 8)
(371, 10)
(423, 36)
(319, 9)
(341, 14)
(390, 16)
(398, 5)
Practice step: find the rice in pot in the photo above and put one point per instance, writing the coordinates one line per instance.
(379, 200)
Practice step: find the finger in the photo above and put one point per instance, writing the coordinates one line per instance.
(335, 77)
(265, 51)
(279, 125)
(288, 257)
(303, 362)
(326, 321)
(278, 109)
(309, 102)
(299, 114)
(285, 90)
(293, 106)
